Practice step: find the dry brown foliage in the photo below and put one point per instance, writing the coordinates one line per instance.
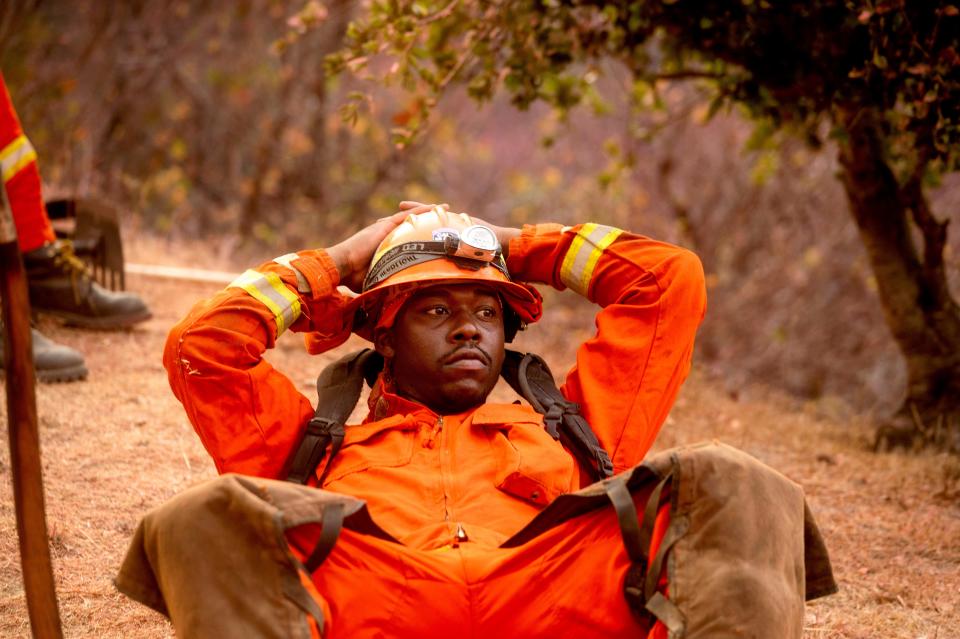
(211, 131)
(119, 444)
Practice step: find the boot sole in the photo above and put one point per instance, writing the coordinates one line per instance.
(69, 374)
(58, 375)
(99, 323)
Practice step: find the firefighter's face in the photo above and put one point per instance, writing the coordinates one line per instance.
(446, 346)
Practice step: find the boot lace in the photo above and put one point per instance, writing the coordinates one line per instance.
(66, 259)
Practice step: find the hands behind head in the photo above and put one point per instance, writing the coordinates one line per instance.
(352, 256)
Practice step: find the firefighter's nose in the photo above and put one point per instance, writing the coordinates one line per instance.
(466, 328)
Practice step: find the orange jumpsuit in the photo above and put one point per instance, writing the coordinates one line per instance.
(452, 488)
(21, 179)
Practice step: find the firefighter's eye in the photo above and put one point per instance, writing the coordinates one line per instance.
(487, 312)
(437, 310)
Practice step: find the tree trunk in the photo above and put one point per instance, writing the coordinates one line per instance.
(315, 174)
(267, 152)
(920, 312)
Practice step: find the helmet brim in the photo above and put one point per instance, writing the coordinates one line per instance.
(522, 298)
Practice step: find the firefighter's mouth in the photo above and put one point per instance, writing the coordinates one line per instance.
(468, 359)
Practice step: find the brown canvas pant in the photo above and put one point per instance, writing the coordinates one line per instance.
(736, 551)
(216, 561)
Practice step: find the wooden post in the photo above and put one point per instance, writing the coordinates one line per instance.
(24, 435)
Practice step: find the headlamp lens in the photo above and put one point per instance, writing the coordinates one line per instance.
(477, 243)
(480, 237)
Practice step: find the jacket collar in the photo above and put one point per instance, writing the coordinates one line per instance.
(384, 402)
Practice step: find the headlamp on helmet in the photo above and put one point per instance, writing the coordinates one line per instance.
(476, 242)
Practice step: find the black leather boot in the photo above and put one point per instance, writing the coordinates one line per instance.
(53, 362)
(61, 285)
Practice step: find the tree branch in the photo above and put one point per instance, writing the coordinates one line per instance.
(441, 14)
(686, 74)
(933, 230)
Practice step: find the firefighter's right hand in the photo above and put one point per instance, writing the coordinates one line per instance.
(352, 256)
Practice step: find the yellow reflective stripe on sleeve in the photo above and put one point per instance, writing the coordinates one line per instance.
(270, 290)
(591, 241)
(566, 269)
(15, 156)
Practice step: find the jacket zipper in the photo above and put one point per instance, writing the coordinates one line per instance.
(443, 469)
(456, 530)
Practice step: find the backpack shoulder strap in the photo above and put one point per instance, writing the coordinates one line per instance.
(531, 378)
(338, 389)
(340, 384)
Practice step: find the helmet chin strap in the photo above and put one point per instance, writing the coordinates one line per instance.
(386, 376)
(511, 322)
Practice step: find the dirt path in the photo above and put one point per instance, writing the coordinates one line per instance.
(120, 444)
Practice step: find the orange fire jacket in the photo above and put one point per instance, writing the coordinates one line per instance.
(21, 178)
(434, 481)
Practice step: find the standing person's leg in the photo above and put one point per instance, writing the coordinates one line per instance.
(21, 179)
(53, 362)
(60, 283)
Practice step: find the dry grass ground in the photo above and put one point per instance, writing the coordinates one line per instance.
(120, 444)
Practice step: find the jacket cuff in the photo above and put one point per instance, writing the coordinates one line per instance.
(319, 271)
(533, 255)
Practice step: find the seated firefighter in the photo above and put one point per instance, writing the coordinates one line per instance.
(450, 482)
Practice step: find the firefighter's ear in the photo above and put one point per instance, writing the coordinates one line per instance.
(383, 342)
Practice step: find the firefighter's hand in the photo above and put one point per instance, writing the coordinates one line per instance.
(416, 208)
(352, 256)
(504, 233)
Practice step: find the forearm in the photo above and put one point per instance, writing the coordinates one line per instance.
(652, 297)
(247, 414)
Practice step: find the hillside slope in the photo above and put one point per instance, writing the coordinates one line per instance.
(120, 444)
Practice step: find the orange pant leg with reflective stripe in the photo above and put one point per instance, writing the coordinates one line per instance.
(567, 582)
(21, 178)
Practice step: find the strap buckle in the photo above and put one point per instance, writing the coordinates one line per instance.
(323, 426)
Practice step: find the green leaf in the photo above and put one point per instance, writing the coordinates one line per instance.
(879, 60)
(715, 105)
(761, 136)
(764, 167)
